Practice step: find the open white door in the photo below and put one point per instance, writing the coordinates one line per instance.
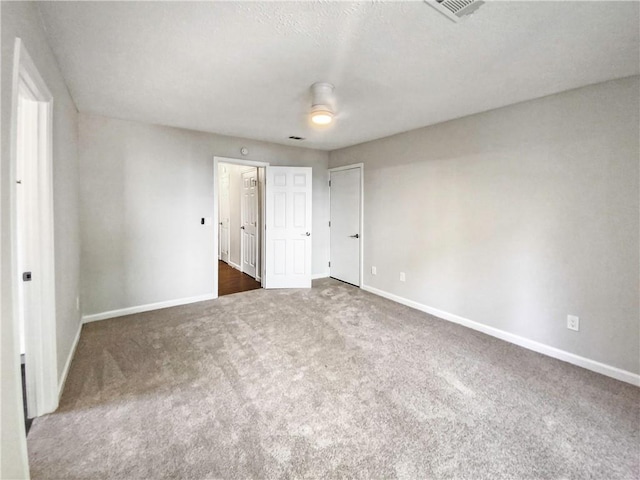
(288, 227)
(249, 222)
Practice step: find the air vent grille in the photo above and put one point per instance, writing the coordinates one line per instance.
(455, 9)
(455, 5)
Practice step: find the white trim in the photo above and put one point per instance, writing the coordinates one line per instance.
(235, 161)
(15, 376)
(349, 167)
(317, 276)
(41, 348)
(235, 265)
(145, 308)
(598, 367)
(67, 365)
(240, 161)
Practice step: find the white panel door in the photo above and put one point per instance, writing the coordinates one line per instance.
(249, 222)
(345, 234)
(288, 227)
(224, 215)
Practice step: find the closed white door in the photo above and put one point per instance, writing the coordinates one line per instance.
(345, 234)
(249, 222)
(223, 215)
(288, 227)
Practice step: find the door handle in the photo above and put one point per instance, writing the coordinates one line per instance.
(355, 236)
(307, 234)
(242, 227)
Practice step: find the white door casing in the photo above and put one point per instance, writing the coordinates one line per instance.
(27, 234)
(249, 223)
(345, 232)
(288, 227)
(224, 215)
(32, 231)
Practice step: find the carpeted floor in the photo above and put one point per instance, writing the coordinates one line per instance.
(325, 383)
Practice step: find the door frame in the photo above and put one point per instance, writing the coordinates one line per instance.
(362, 236)
(258, 276)
(242, 162)
(40, 341)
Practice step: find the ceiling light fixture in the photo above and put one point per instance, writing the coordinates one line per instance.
(322, 111)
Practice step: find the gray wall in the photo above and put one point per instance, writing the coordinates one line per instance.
(21, 19)
(515, 218)
(143, 191)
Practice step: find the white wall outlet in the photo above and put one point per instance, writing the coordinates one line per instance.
(374, 271)
(403, 278)
(573, 322)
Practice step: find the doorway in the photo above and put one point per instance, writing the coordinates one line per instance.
(284, 224)
(240, 222)
(32, 251)
(345, 190)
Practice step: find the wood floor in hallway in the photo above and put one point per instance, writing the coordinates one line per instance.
(231, 280)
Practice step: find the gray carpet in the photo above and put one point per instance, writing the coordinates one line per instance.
(326, 383)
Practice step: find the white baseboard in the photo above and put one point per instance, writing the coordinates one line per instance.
(602, 368)
(67, 365)
(145, 308)
(235, 265)
(316, 276)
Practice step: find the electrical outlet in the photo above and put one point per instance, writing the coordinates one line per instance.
(402, 277)
(573, 322)
(374, 271)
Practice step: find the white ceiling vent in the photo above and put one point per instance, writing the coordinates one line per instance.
(455, 9)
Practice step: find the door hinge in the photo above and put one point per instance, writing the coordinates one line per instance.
(329, 263)
(329, 222)
(329, 182)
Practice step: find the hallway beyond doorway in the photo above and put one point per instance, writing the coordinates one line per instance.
(231, 280)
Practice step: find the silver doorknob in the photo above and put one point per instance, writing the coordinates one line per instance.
(355, 236)
(242, 227)
(308, 234)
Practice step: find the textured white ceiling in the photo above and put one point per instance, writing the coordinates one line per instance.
(244, 69)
